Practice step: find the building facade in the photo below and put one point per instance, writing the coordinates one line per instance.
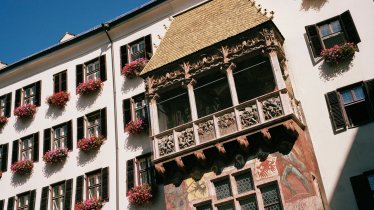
(235, 109)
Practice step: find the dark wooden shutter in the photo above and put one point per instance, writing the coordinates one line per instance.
(17, 102)
(68, 192)
(35, 156)
(64, 81)
(4, 158)
(47, 140)
(44, 199)
(69, 135)
(105, 184)
(10, 203)
(15, 151)
(37, 99)
(32, 200)
(103, 122)
(1, 204)
(126, 107)
(148, 46)
(56, 83)
(124, 56)
(336, 112)
(102, 68)
(369, 87)
(8, 102)
(80, 128)
(79, 189)
(314, 39)
(130, 174)
(362, 191)
(349, 27)
(79, 74)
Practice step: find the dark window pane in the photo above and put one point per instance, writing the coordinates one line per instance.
(371, 181)
(212, 94)
(244, 182)
(173, 109)
(207, 206)
(223, 189)
(253, 78)
(248, 203)
(228, 206)
(271, 198)
(338, 39)
(358, 113)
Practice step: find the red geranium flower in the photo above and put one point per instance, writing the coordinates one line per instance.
(59, 99)
(133, 68)
(91, 143)
(22, 167)
(90, 86)
(25, 111)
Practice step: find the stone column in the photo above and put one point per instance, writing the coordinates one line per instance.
(154, 114)
(277, 70)
(189, 83)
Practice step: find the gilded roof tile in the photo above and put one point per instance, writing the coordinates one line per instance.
(204, 26)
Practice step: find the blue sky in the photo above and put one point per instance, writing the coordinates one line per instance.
(29, 26)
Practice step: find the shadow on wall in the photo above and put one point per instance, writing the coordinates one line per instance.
(53, 112)
(22, 124)
(313, 4)
(328, 72)
(86, 101)
(359, 160)
(131, 84)
(136, 142)
(85, 158)
(18, 180)
(49, 170)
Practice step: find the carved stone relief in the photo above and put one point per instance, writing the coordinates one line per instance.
(249, 116)
(206, 130)
(166, 145)
(186, 138)
(227, 123)
(272, 107)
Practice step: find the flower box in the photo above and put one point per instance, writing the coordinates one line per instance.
(90, 204)
(58, 99)
(89, 87)
(56, 156)
(25, 112)
(135, 127)
(140, 195)
(133, 68)
(3, 121)
(338, 54)
(22, 167)
(91, 143)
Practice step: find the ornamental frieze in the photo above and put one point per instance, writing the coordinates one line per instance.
(166, 145)
(186, 138)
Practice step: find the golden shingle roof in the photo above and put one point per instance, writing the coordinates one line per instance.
(204, 26)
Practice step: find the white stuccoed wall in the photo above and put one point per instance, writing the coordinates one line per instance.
(349, 153)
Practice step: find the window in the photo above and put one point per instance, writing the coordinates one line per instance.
(26, 148)
(91, 70)
(60, 197)
(141, 48)
(173, 109)
(351, 106)
(134, 108)
(140, 171)
(60, 82)
(28, 95)
(93, 124)
(59, 136)
(25, 201)
(5, 102)
(97, 185)
(3, 157)
(239, 191)
(334, 31)
(363, 188)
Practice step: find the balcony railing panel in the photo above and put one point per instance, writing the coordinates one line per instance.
(248, 115)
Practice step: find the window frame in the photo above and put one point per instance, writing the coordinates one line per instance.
(97, 186)
(3, 106)
(59, 78)
(22, 195)
(6, 108)
(150, 170)
(96, 73)
(137, 44)
(332, 34)
(59, 197)
(31, 96)
(61, 138)
(95, 125)
(29, 149)
(132, 110)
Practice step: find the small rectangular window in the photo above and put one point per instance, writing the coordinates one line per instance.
(207, 206)
(29, 94)
(93, 124)
(23, 202)
(244, 182)
(59, 137)
(93, 70)
(58, 194)
(137, 50)
(27, 144)
(249, 203)
(271, 197)
(94, 185)
(2, 106)
(60, 82)
(223, 188)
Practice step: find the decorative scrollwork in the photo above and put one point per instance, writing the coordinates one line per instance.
(166, 145)
(272, 107)
(186, 138)
(206, 127)
(249, 116)
(226, 120)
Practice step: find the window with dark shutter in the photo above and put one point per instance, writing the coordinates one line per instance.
(37, 99)
(10, 203)
(68, 194)
(60, 81)
(15, 151)
(47, 140)
(18, 98)
(336, 113)
(314, 40)
(7, 107)
(4, 157)
(105, 184)
(102, 68)
(1, 204)
(44, 198)
(369, 86)
(79, 189)
(35, 156)
(130, 174)
(362, 191)
(148, 46)
(32, 200)
(69, 135)
(126, 106)
(124, 55)
(349, 27)
(80, 128)
(103, 122)
(79, 74)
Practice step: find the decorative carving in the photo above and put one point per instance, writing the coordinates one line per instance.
(266, 134)
(246, 45)
(155, 82)
(272, 107)
(243, 142)
(221, 149)
(186, 138)
(206, 127)
(160, 168)
(205, 62)
(199, 154)
(226, 120)
(179, 162)
(269, 36)
(249, 116)
(166, 145)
